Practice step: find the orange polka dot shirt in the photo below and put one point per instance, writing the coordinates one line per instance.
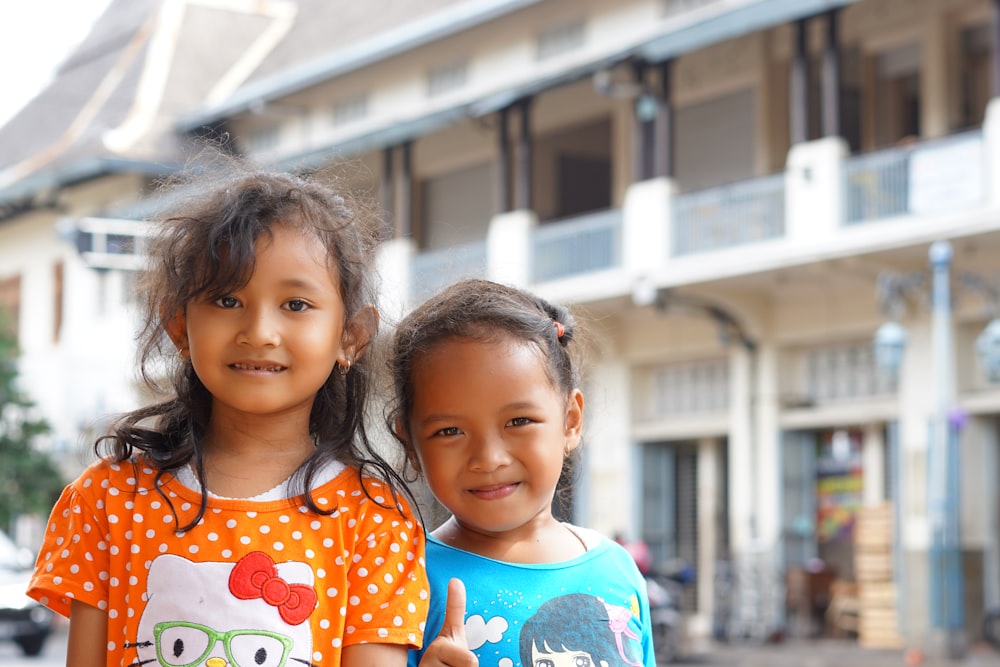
(254, 583)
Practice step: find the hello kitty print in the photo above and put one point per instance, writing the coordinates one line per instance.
(254, 583)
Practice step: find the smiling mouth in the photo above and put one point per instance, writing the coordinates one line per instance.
(257, 367)
(494, 492)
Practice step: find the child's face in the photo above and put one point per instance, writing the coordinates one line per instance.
(267, 348)
(490, 432)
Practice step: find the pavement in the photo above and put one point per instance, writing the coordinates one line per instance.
(829, 653)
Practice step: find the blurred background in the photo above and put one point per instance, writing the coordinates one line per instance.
(780, 220)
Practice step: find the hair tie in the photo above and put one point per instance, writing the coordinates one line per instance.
(560, 329)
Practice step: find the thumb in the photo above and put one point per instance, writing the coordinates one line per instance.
(454, 614)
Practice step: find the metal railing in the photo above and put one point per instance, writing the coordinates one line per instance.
(732, 215)
(590, 242)
(436, 269)
(931, 176)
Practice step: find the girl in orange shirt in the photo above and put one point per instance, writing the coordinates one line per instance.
(244, 520)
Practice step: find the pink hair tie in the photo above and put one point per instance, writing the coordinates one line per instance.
(560, 329)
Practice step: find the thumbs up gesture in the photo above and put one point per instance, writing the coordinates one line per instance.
(449, 648)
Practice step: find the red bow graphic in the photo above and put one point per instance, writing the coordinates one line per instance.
(255, 576)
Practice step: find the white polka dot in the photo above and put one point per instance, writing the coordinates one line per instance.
(245, 540)
(296, 534)
(133, 581)
(387, 578)
(328, 543)
(112, 518)
(264, 530)
(367, 618)
(383, 633)
(278, 546)
(331, 592)
(213, 537)
(231, 523)
(252, 515)
(315, 525)
(193, 549)
(397, 621)
(354, 600)
(362, 571)
(284, 518)
(227, 553)
(373, 589)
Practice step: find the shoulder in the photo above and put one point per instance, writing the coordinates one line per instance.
(373, 496)
(113, 476)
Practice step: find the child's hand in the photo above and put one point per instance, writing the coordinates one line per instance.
(450, 648)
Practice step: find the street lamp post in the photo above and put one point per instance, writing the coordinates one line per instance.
(946, 585)
(946, 581)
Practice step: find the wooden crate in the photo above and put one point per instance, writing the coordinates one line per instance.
(878, 619)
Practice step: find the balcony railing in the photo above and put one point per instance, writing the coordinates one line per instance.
(925, 178)
(435, 269)
(587, 243)
(732, 215)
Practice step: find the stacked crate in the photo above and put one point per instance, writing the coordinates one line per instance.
(878, 617)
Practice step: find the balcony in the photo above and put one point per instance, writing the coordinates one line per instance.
(587, 243)
(825, 204)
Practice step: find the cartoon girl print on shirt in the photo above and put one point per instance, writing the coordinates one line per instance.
(253, 612)
(578, 630)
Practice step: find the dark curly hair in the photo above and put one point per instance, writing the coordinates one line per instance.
(204, 248)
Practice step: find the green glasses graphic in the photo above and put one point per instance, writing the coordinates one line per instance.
(182, 644)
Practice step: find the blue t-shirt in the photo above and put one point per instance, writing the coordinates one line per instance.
(516, 614)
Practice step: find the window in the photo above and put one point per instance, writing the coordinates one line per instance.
(58, 301)
(350, 110)
(975, 51)
(264, 139)
(447, 77)
(561, 38)
(10, 304)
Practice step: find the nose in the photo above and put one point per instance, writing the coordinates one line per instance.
(259, 328)
(215, 662)
(489, 453)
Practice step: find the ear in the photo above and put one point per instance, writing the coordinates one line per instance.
(399, 430)
(176, 327)
(359, 331)
(574, 420)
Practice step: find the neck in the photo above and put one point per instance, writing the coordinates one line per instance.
(242, 460)
(543, 540)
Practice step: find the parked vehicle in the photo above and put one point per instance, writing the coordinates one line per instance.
(991, 627)
(22, 620)
(665, 590)
(666, 617)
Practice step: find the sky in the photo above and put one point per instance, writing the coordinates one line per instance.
(35, 37)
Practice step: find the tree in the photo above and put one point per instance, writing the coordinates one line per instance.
(29, 480)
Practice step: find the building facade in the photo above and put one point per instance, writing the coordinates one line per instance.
(734, 195)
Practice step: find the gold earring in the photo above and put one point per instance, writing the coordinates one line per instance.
(344, 367)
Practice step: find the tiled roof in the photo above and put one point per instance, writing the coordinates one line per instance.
(146, 62)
